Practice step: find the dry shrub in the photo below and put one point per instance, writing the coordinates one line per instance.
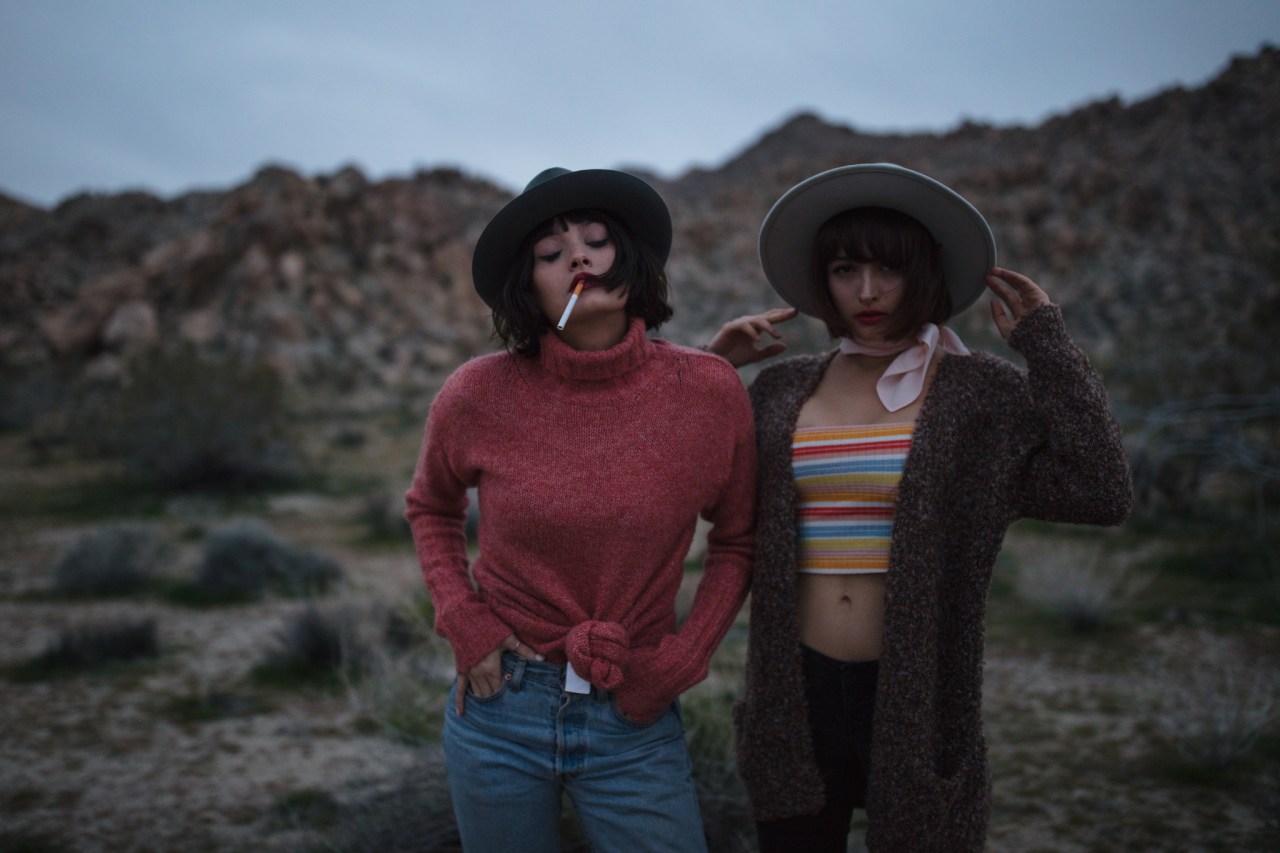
(187, 420)
(244, 558)
(721, 796)
(116, 559)
(1214, 707)
(1076, 581)
(415, 815)
(89, 647)
(313, 648)
(408, 672)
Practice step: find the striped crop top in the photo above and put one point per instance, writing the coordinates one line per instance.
(847, 489)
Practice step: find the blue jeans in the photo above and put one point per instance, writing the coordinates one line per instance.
(510, 755)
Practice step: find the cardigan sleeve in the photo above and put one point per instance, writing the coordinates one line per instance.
(655, 676)
(1078, 472)
(436, 505)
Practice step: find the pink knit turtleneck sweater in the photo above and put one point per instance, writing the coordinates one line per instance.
(592, 468)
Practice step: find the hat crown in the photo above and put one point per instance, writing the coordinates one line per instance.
(556, 191)
(544, 176)
(786, 235)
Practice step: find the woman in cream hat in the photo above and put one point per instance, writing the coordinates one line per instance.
(594, 449)
(889, 469)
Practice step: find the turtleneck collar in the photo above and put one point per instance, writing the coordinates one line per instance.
(565, 362)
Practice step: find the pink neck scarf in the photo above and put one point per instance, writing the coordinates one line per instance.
(903, 379)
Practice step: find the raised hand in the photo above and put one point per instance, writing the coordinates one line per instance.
(738, 340)
(1018, 295)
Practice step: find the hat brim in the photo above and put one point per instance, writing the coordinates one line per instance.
(788, 231)
(623, 195)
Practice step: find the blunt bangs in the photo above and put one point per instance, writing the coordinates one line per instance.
(520, 324)
(895, 240)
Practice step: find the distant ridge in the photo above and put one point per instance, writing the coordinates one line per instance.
(1156, 225)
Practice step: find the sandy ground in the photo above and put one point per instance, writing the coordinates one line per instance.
(96, 762)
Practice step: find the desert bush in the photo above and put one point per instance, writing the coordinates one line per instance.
(403, 699)
(307, 807)
(1180, 445)
(27, 395)
(115, 559)
(1213, 710)
(410, 626)
(721, 796)
(243, 559)
(415, 815)
(313, 649)
(407, 673)
(382, 516)
(92, 646)
(1075, 581)
(190, 421)
(346, 437)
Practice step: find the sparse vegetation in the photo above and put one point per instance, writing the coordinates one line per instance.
(244, 559)
(212, 705)
(415, 814)
(1078, 582)
(382, 516)
(115, 559)
(90, 647)
(193, 421)
(314, 649)
(406, 678)
(723, 800)
(1214, 709)
(308, 808)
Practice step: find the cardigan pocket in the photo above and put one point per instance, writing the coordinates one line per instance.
(962, 805)
(927, 811)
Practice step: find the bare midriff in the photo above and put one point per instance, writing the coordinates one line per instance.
(842, 616)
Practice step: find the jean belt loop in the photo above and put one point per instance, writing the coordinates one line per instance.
(517, 674)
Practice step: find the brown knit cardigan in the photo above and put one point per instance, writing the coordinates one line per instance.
(993, 443)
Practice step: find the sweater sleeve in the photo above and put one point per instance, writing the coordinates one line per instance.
(436, 505)
(1078, 472)
(655, 676)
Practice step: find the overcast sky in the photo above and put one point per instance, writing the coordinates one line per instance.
(173, 95)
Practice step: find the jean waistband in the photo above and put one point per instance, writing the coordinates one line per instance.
(519, 671)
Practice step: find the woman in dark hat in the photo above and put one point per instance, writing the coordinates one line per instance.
(889, 470)
(594, 449)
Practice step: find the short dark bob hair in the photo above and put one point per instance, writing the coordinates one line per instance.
(897, 241)
(520, 324)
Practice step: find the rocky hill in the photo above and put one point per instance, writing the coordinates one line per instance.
(1155, 224)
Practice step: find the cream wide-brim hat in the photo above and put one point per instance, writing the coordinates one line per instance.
(787, 234)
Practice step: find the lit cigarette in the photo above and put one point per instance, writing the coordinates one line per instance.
(568, 309)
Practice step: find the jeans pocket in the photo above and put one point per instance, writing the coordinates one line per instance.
(485, 700)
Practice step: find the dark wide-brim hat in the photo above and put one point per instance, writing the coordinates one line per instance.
(553, 192)
(787, 234)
